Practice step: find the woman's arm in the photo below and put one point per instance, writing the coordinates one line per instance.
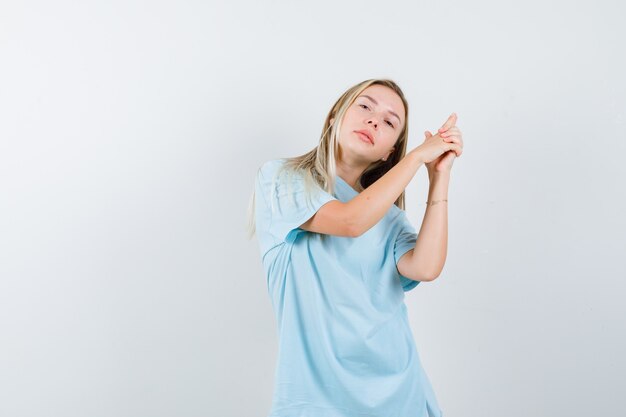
(366, 209)
(425, 262)
(371, 204)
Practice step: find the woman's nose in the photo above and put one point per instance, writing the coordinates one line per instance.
(372, 122)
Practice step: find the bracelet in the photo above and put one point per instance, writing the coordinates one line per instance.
(432, 203)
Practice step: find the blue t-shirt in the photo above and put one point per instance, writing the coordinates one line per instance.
(345, 345)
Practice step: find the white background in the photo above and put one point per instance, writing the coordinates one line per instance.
(130, 135)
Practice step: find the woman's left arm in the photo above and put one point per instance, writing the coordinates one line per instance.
(425, 262)
(431, 247)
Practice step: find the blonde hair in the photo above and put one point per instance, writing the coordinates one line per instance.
(319, 164)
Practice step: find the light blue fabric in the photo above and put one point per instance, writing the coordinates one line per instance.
(345, 345)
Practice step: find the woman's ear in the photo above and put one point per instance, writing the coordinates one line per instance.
(389, 154)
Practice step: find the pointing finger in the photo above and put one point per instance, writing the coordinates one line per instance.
(449, 123)
(454, 130)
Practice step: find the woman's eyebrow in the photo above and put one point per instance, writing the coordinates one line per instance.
(389, 111)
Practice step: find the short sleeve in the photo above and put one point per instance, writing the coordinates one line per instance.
(288, 200)
(404, 242)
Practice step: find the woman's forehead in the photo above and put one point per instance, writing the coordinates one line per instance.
(385, 97)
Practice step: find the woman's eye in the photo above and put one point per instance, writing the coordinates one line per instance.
(365, 106)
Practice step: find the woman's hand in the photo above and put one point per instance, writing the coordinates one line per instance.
(438, 151)
(449, 133)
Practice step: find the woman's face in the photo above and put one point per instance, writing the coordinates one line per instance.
(379, 112)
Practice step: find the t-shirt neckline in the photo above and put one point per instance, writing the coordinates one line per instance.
(346, 184)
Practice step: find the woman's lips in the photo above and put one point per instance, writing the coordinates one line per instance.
(365, 138)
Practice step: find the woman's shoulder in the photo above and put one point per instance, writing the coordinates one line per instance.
(271, 165)
(276, 173)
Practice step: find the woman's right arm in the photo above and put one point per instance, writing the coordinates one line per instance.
(371, 204)
(358, 215)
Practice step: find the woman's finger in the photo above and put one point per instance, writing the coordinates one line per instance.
(449, 123)
(452, 130)
(453, 138)
(458, 136)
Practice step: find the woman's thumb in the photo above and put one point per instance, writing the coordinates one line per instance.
(428, 134)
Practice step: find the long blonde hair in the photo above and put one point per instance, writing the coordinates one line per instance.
(319, 164)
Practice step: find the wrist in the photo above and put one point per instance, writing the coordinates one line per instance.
(416, 157)
(438, 175)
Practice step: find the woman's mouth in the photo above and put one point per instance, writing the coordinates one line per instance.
(365, 138)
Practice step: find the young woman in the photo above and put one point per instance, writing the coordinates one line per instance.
(339, 252)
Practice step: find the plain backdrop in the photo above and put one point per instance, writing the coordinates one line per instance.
(130, 135)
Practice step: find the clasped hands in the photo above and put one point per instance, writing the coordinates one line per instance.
(449, 132)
